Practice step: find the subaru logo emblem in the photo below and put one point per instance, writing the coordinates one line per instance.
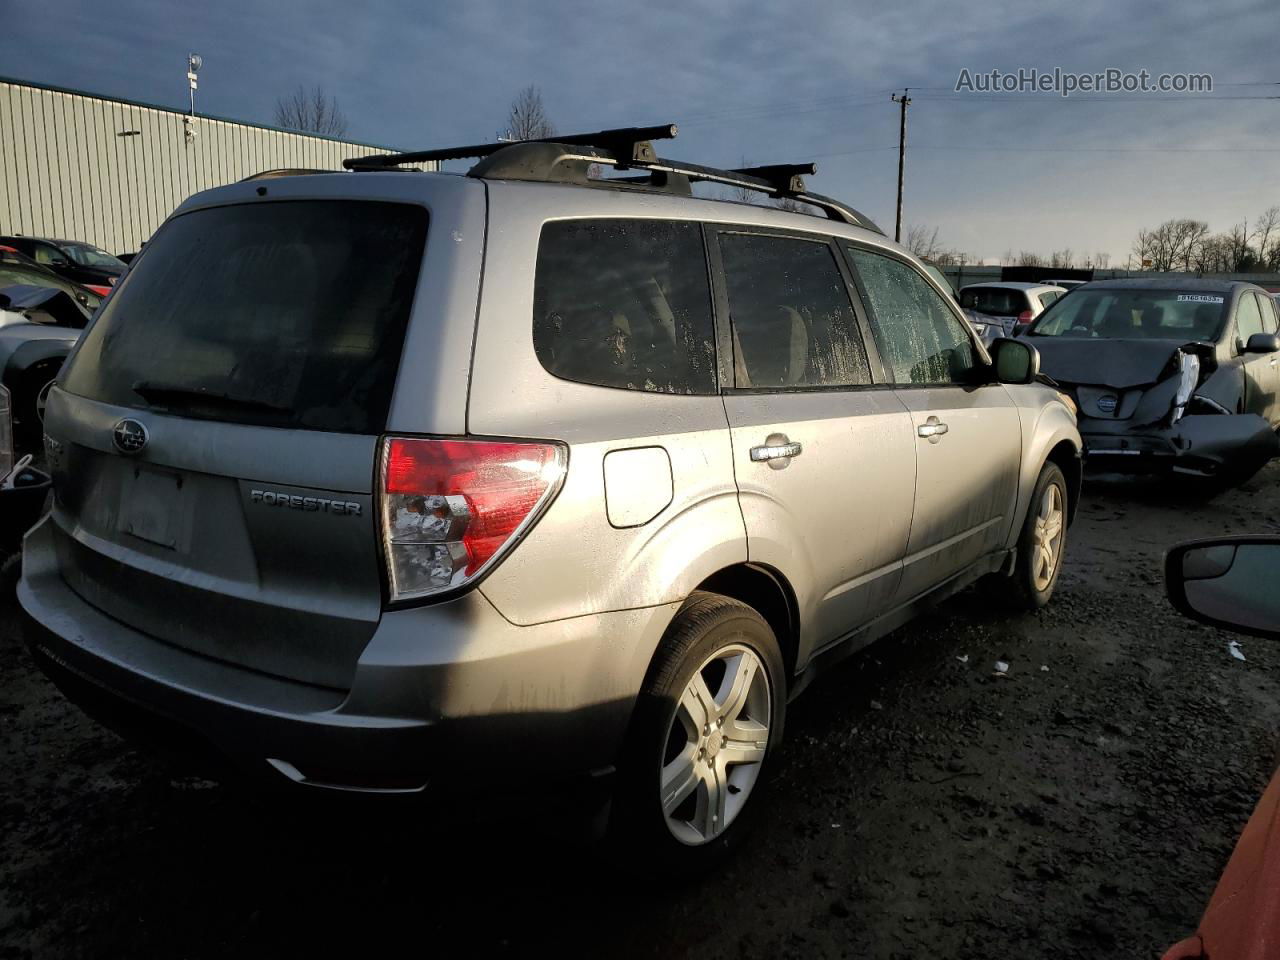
(129, 436)
(1107, 403)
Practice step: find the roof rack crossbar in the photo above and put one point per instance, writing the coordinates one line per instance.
(631, 143)
(785, 177)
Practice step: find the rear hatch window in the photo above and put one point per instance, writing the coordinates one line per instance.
(283, 313)
(994, 301)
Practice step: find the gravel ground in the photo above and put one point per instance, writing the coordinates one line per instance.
(1083, 805)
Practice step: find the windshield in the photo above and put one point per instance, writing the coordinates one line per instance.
(90, 256)
(288, 314)
(994, 301)
(1134, 315)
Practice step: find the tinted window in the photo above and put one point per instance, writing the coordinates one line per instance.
(920, 339)
(1134, 314)
(287, 314)
(1248, 317)
(792, 321)
(994, 301)
(625, 303)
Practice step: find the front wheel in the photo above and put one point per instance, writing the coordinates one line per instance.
(1042, 542)
(705, 724)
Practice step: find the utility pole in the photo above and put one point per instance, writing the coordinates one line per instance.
(902, 102)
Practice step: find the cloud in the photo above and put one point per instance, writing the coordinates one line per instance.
(767, 82)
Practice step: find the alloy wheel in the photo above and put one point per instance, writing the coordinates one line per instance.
(716, 744)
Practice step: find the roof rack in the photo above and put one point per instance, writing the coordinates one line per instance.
(568, 158)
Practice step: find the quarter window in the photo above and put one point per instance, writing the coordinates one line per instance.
(789, 309)
(625, 303)
(920, 339)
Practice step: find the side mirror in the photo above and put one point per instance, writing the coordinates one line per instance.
(1016, 361)
(1228, 582)
(1262, 343)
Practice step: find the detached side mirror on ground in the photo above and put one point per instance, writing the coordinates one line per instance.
(1015, 361)
(1262, 343)
(1228, 582)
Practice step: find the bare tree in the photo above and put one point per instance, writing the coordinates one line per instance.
(1171, 245)
(1028, 258)
(922, 240)
(528, 119)
(313, 112)
(1101, 259)
(1062, 259)
(1266, 232)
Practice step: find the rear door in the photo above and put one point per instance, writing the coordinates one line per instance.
(823, 455)
(214, 434)
(968, 436)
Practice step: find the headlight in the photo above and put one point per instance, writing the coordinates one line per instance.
(1188, 379)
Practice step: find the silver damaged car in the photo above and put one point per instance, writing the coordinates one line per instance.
(403, 483)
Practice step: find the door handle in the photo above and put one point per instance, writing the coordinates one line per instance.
(932, 429)
(777, 450)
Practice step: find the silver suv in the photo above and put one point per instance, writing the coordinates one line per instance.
(410, 483)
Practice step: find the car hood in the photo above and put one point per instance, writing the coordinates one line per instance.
(1119, 364)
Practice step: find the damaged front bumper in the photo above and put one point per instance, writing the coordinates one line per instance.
(1204, 445)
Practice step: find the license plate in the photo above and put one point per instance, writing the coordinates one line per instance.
(151, 508)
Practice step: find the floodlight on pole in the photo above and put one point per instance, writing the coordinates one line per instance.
(194, 63)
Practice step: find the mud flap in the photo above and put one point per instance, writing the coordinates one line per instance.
(1226, 442)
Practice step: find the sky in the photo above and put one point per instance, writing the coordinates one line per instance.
(765, 83)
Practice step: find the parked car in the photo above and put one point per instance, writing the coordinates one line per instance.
(39, 324)
(582, 495)
(18, 268)
(996, 308)
(1229, 582)
(74, 260)
(1066, 284)
(1174, 374)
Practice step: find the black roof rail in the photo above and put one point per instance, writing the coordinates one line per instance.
(567, 159)
(283, 172)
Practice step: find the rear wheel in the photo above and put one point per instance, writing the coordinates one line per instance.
(1042, 542)
(710, 713)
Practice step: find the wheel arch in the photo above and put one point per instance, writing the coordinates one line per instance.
(1066, 456)
(767, 592)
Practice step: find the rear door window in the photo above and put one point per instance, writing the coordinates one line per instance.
(288, 314)
(625, 303)
(789, 310)
(920, 339)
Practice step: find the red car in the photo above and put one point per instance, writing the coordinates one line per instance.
(1230, 582)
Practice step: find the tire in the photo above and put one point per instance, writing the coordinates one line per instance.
(27, 400)
(682, 802)
(1029, 587)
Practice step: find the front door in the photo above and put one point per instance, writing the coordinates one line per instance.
(1261, 370)
(968, 435)
(824, 458)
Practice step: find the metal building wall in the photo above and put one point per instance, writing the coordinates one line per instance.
(66, 172)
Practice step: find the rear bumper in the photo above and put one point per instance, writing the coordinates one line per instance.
(1204, 445)
(446, 698)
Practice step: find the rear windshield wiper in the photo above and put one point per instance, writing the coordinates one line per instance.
(161, 392)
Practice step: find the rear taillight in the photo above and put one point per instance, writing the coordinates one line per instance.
(1024, 316)
(450, 508)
